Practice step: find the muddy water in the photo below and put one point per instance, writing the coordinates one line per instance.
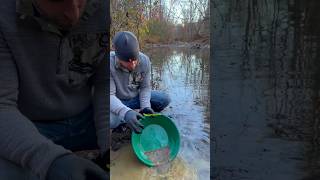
(266, 89)
(127, 166)
(183, 73)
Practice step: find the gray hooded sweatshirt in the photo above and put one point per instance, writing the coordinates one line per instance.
(47, 76)
(125, 85)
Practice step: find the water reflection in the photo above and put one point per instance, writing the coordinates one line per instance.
(270, 48)
(183, 73)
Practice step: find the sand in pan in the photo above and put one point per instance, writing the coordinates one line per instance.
(159, 156)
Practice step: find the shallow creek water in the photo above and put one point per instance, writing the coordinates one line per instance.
(183, 73)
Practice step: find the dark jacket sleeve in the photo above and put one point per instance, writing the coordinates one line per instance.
(20, 141)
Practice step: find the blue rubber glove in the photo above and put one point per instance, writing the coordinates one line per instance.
(132, 119)
(72, 167)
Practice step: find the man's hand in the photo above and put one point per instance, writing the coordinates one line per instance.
(147, 110)
(132, 118)
(72, 167)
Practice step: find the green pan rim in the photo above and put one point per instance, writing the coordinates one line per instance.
(146, 160)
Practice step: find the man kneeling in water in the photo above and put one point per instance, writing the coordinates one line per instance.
(130, 88)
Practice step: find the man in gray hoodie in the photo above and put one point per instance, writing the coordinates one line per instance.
(130, 83)
(53, 74)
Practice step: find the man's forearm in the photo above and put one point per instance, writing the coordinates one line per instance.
(117, 107)
(22, 143)
(145, 95)
(101, 117)
(100, 102)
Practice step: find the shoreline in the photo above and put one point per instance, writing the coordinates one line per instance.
(192, 45)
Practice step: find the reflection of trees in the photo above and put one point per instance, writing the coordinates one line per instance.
(158, 57)
(308, 28)
(194, 62)
(280, 43)
(196, 65)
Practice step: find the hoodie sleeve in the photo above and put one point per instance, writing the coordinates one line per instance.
(145, 86)
(116, 105)
(21, 142)
(100, 102)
